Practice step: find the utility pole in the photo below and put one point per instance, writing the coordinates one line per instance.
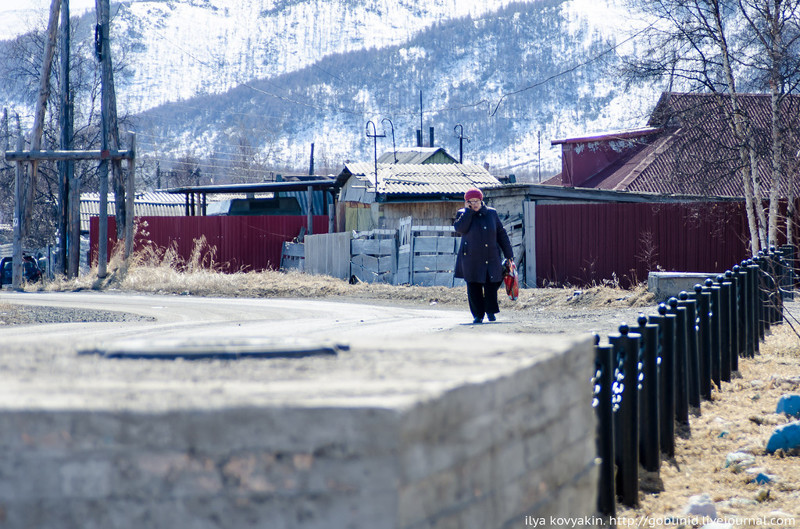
(539, 139)
(16, 258)
(25, 187)
(375, 137)
(66, 168)
(420, 116)
(104, 56)
(460, 129)
(129, 198)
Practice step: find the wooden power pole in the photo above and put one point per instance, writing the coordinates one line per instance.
(24, 188)
(66, 169)
(66, 155)
(104, 56)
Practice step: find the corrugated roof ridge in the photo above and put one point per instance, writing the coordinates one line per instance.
(658, 148)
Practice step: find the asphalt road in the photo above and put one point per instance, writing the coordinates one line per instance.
(191, 320)
(384, 353)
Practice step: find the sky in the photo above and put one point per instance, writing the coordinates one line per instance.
(17, 15)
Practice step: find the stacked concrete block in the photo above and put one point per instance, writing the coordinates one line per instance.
(457, 432)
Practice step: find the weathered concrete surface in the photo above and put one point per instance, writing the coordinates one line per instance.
(454, 430)
(667, 284)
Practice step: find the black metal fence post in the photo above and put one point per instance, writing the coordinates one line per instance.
(724, 327)
(758, 276)
(649, 447)
(693, 357)
(603, 381)
(681, 361)
(744, 309)
(626, 350)
(703, 295)
(733, 279)
(754, 307)
(666, 323)
(716, 333)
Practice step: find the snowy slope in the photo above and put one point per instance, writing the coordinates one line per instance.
(469, 70)
(195, 47)
(281, 74)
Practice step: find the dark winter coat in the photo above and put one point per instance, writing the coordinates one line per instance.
(482, 239)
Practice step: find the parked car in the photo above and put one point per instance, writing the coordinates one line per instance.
(30, 270)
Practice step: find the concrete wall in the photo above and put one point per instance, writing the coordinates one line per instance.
(668, 284)
(476, 433)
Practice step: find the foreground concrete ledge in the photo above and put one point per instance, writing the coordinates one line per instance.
(668, 284)
(370, 373)
(468, 431)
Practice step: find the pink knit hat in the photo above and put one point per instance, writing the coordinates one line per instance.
(473, 193)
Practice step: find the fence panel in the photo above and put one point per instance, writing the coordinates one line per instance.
(596, 243)
(250, 243)
(328, 254)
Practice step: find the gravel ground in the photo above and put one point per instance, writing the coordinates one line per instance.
(23, 315)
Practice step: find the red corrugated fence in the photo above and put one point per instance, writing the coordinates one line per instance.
(248, 243)
(584, 244)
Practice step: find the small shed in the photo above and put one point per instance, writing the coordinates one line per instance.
(379, 195)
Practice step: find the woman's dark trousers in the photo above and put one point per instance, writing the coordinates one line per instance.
(483, 298)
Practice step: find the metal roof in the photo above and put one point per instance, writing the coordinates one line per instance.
(413, 155)
(154, 204)
(263, 187)
(422, 179)
(609, 136)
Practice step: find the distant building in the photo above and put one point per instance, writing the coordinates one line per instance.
(687, 148)
(430, 192)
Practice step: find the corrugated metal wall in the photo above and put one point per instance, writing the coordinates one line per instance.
(583, 244)
(248, 243)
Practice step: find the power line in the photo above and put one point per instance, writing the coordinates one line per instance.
(569, 70)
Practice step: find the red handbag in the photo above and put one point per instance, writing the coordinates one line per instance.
(511, 279)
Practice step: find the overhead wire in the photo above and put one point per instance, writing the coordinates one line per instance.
(570, 70)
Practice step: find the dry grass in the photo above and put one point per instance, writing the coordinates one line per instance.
(740, 417)
(165, 273)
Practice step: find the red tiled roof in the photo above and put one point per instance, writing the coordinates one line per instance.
(696, 152)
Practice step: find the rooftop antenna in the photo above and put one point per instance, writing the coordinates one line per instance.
(394, 149)
(375, 137)
(460, 130)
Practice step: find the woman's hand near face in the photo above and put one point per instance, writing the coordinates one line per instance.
(474, 204)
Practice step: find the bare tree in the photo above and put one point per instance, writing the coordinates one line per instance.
(776, 27)
(20, 73)
(690, 44)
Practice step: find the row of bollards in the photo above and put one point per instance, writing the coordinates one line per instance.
(649, 379)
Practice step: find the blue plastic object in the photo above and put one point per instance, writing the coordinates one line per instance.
(790, 405)
(785, 437)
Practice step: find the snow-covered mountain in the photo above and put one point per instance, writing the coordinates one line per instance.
(213, 79)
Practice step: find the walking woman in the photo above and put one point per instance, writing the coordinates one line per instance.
(478, 261)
